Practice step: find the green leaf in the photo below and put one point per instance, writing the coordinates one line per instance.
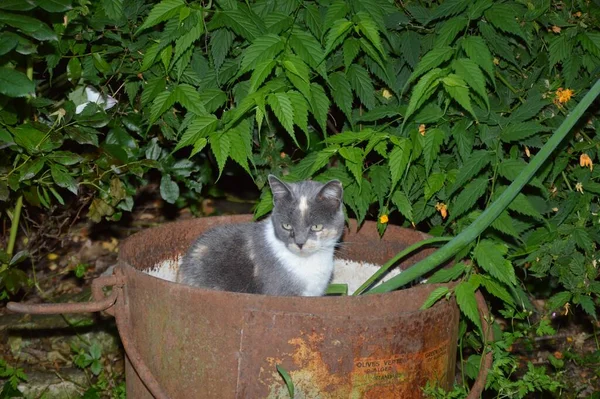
(531, 108)
(478, 160)
(400, 200)
(307, 47)
(505, 224)
(28, 25)
(434, 183)
(298, 73)
(560, 49)
(341, 92)
(55, 5)
(62, 178)
(431, 60)
(587, 304)
(523, 206)
(336, 35)
(590, 41)
(8, 41)
(379, 176)
(368, 28)
(260, 73)
(435, 296)
(558, 300)
(265, 204)
(14, 83)
(200, 127)
(112, 8)
(449, 30)
(281, 105)
(497, 42)
(362, 84)
(447, 274)
(478, 51)
(336, 10)
(510, 169)
(241, 144)
(169, 190)
(496, 289)
(164, 10)
(426, 86)
(264, 48)
(66, 158)
(220, 44)
(521, 130)
(31, 139)
(287, 379)
(465, 297)
(490, 256)
(188, 96)
(312, 162)
(300, 107)
(351, 48)
(319, 104)
(503, 17)
(582, 239)
(459, 91)
(165, 56)
(469, 71)
(186, 41)
(243, 22)
(434, 138)
(31, 169)
(220, 146)
(354, 161)
(449, 8)
(399, 158)
(161, 104)
(468, 197)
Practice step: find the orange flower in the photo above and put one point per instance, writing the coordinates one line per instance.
(442, 209)
(422, 129)
(585, 161)
(577, 14)
(383, 219)
(556, 29)
(563, 95)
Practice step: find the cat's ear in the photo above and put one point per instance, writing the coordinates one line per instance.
(279, 189)
(332, 191)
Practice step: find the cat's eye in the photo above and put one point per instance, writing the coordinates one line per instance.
(286, 226)
(316, 227)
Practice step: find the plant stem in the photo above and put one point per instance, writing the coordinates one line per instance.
(405, 252)
(14, 227)
(490, 214)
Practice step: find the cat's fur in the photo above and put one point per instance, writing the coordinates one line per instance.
(281, 255)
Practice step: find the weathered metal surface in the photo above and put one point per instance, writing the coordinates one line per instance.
(183, 341)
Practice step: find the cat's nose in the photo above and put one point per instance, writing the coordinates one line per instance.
(300, 245)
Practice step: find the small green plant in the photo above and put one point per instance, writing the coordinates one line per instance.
(13, 377)
(89, 358)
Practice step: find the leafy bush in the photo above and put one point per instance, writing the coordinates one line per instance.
(426, 111)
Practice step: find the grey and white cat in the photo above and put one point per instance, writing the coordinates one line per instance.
(289, 253)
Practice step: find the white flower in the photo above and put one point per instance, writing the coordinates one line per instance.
(95, 97)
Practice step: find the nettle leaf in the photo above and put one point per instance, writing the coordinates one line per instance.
(164, 10)
(265, 204)
(264, 48)
(582, 238)
(337, 34)
(531, 108)
(399, 158)
(434, 183)
(435, 296)
(200, 127)
(220, 44)
(189, 97)
(14, 83)
(497, 42)
(336, 11)
(112, 8)
(161, 104)
(459, 91)
(241, 21)
(447, 274)
(260, 73)
(496, 289)
(313, 162)
(213, 99)
(560, 49)
(468, 197)
(523, 206)
(368, 28)
(434, 138)
(350, 48)
(165, 55)
(298, 73)
(400, 200)
(313, 19)
(354, 161)
(277, 22)
(503, 17)
(380, 181)
(510, 169)
(478, 160)
(558, 300)
(447, 33)
(351, 137)
(426, 86)
(587, 304)
(431, 60)
(186, 41)
(169, 190)
(449, 8)
(465, 298)
(241, 144)
(319, 104)
(477, 8)
(341, 91)
(220, 145)
(361, 82)
(300, 107)
(309, 49)
(478, 51)
(490, 256)
(590, 41)
(522, 130)
(469, 71)
(281, 105)
(505, 224)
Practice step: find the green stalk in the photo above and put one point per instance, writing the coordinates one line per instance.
(14, 227)
(490, 214)
(405, 252)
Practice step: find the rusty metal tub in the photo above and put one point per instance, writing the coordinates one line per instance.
(184, 342)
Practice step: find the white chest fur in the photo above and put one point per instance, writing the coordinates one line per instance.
(313, 270)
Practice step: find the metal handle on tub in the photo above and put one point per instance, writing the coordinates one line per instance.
(114, 305)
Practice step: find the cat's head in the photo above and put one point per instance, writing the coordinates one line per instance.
(307, 216)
